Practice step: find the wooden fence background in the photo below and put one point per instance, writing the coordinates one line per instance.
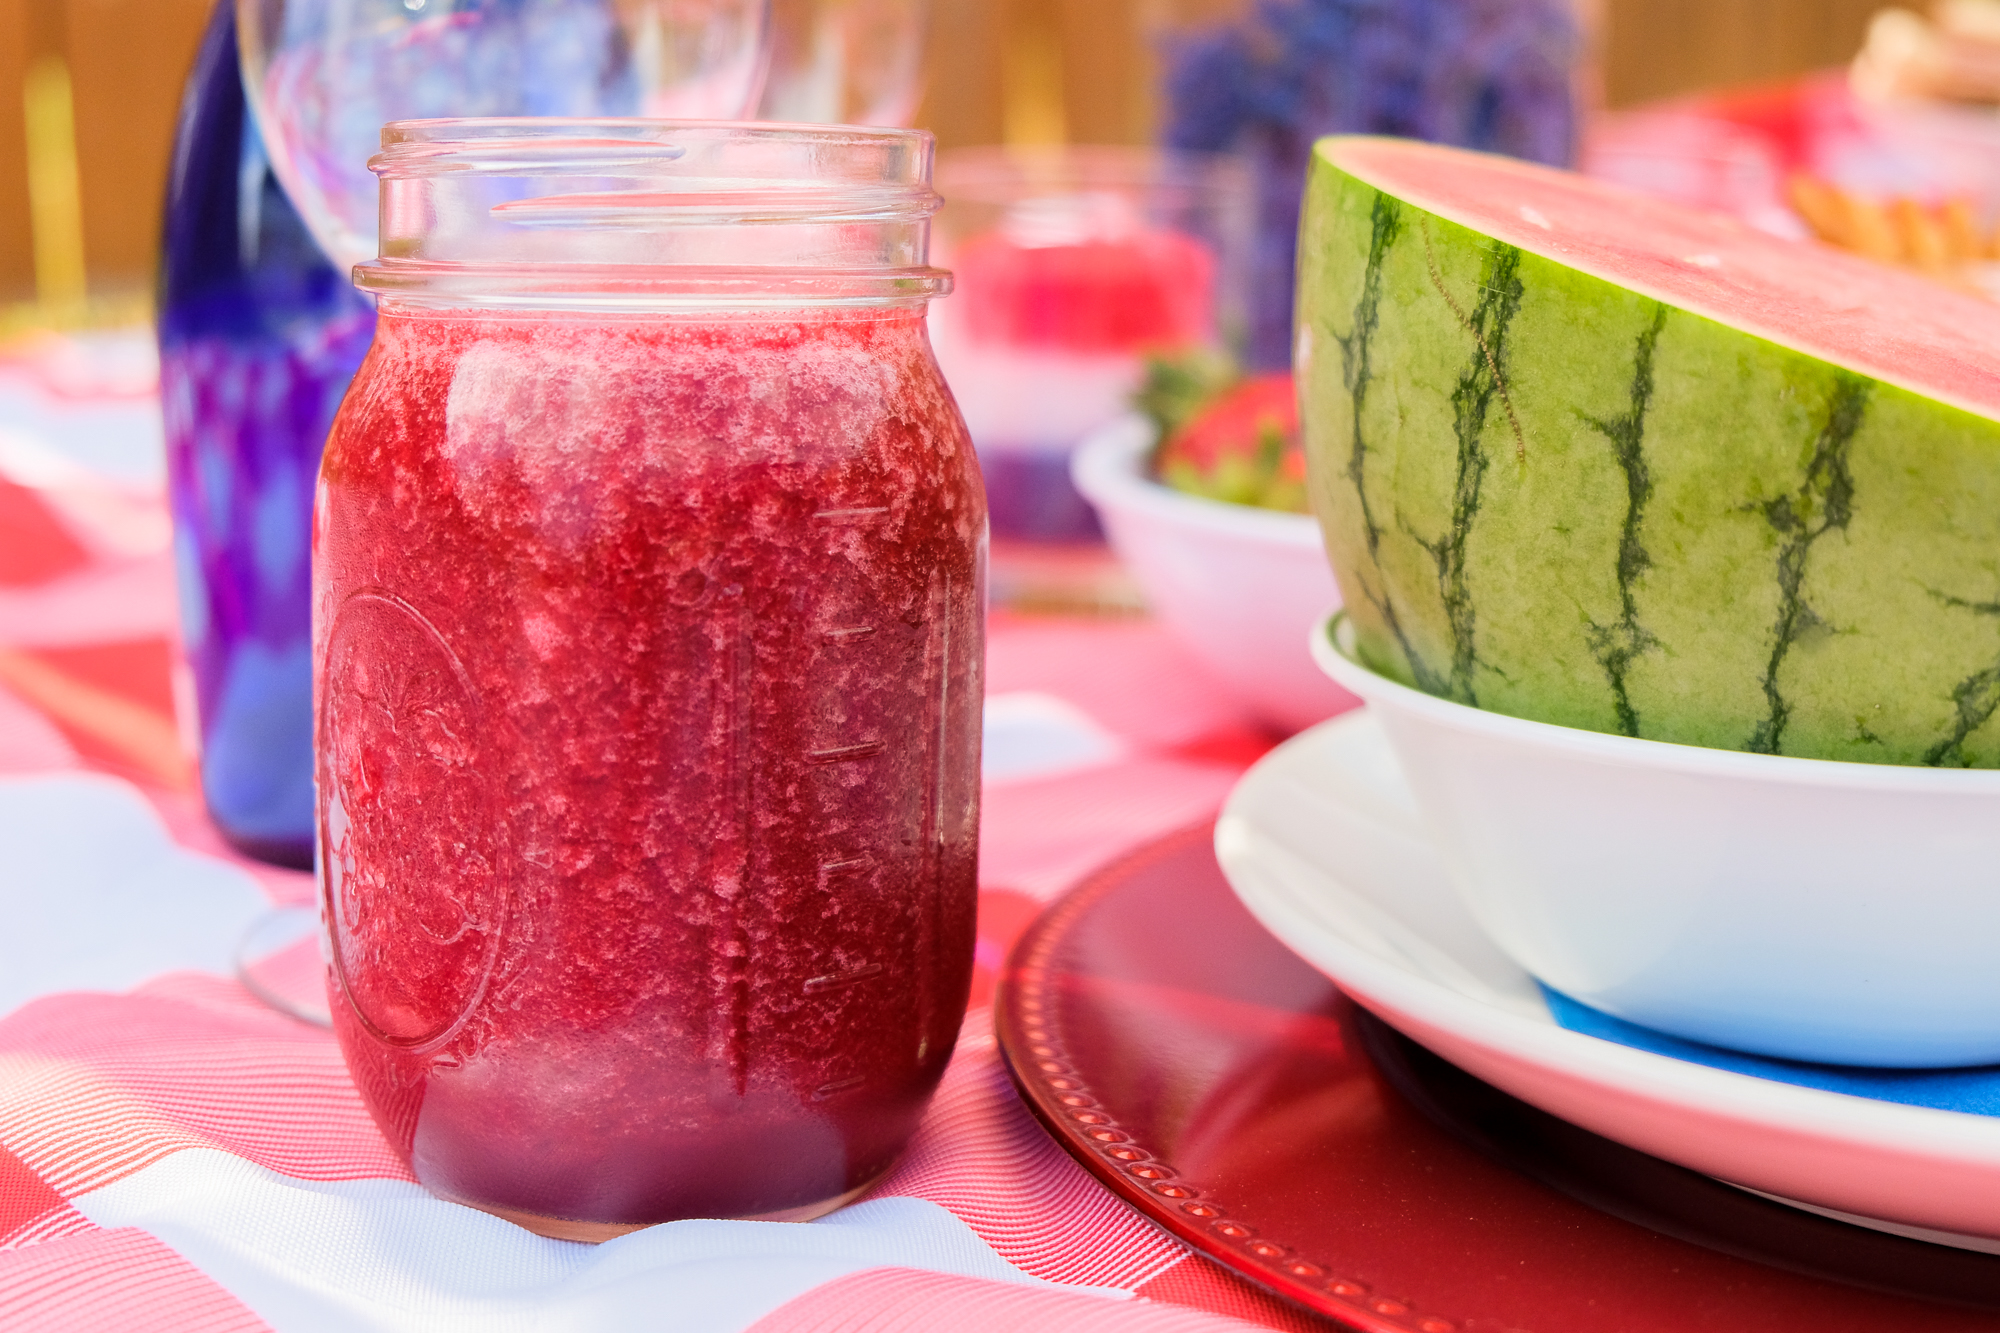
(1000, 69)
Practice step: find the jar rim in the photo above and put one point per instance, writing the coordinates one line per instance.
(636, 213)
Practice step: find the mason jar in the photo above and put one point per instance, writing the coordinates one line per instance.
(648, 578)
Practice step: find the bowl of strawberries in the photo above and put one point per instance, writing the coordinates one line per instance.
(1201, 492)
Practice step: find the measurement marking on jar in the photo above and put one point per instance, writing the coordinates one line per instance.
(839, 1085)
(849, 633)
(847, 753)
(839, 979)
(851, 515)
(845, 865)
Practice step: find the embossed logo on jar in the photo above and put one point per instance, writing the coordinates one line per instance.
(410, 852)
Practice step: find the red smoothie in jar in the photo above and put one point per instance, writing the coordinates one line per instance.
(648, 673)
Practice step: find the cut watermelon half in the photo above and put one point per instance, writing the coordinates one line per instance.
(1600, 460)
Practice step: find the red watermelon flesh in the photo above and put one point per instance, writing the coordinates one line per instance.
(1883, 322)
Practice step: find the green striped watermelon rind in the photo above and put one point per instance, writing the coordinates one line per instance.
(1550, 496)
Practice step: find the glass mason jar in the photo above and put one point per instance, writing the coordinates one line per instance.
(649, 561)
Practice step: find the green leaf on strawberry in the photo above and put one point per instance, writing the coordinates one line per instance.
(1238, 442)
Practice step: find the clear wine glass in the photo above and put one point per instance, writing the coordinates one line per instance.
(845, 62)
(323, 76)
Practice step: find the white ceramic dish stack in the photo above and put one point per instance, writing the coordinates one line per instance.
(1323, 843)
(1238, 586)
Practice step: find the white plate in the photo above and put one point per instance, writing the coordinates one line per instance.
(1322, 843)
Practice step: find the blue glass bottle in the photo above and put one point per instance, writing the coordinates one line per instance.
(259, 336)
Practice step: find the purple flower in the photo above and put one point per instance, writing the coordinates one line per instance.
(1487, 74)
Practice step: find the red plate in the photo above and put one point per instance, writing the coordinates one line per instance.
(1234, 1096)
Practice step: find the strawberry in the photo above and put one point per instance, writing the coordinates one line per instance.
(1242, 446)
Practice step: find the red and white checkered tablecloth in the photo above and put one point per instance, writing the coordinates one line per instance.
(175, 1155)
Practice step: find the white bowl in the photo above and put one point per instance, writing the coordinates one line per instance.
(1236, 585)
(1803, 908)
